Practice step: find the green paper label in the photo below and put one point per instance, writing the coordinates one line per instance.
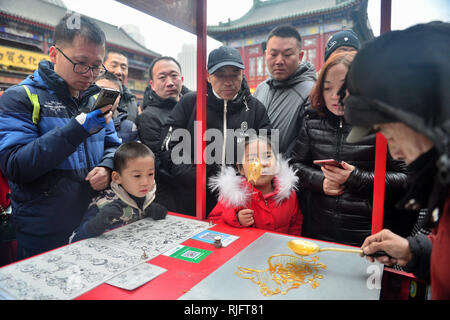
(188, 253)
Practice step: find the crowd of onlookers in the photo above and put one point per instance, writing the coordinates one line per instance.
(74, 172)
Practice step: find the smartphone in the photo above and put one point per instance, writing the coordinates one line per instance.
(105, 97)
(330, 162)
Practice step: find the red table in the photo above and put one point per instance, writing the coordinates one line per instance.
(180, 275)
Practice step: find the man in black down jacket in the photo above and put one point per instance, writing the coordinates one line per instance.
(285, 93)
(161, 96)
(229, 106)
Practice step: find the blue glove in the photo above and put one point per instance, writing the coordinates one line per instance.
(92, 122)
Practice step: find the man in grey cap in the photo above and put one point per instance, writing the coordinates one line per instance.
(230, 109)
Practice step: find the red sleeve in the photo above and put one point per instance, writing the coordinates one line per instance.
(221, 213)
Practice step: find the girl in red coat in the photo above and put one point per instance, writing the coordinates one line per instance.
(261, 196)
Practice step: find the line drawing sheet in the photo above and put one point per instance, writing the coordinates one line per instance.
(152, 236)
(69, 271)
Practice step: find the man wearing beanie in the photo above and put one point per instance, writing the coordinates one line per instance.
(341, 41)
(230, 110)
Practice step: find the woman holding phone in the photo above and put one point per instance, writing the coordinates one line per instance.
(338, 202)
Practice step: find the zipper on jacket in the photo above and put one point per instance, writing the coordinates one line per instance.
(167, 140)
(246, 105)
(337, 202)
(224, 148)
(339, 137)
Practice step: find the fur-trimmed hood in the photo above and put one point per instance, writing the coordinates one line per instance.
(235, 191)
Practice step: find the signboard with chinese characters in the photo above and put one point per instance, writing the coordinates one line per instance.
(23, 59)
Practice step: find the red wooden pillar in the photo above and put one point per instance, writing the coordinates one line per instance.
(385, 25)
(201, 110)
(381, 144)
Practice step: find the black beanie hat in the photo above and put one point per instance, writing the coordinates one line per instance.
(342, 38)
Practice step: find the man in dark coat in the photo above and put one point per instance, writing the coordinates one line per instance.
(161, 96)
(231, 111)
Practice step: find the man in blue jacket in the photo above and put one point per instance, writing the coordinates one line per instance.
(54, 152)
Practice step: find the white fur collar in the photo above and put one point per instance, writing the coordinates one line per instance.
(234, 191)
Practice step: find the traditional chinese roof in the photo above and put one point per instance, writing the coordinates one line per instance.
(46, 14)
(274, 12)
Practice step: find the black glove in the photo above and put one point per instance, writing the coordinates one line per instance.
(113, 210)
(156, 211)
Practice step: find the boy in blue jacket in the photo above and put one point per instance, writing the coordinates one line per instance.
(130, 196)
(56, 154)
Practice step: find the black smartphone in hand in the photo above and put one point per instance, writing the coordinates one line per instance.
(105, 97)
(330, 162)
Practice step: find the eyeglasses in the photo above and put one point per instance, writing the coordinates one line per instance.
(81, 68)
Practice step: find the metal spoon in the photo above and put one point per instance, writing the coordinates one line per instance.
(305, 248)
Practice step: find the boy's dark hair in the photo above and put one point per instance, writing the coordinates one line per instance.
(111, 77)
(150, 72)
(128, 151)
(74, 24)
(286, 31)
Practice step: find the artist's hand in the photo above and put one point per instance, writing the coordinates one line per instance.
(331, 188)
(99, 178)
(245, 217)
(394, 245)
(336, 174)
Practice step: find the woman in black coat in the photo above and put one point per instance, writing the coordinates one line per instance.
(339, 200)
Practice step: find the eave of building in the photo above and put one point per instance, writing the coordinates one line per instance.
(50, 27)
(221, 32)
(306, 20)
(26, 21)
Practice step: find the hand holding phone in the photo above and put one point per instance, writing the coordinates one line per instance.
(330, 162)
(106, 97)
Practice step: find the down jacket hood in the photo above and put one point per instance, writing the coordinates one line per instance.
(235, 190)
(415, 92)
